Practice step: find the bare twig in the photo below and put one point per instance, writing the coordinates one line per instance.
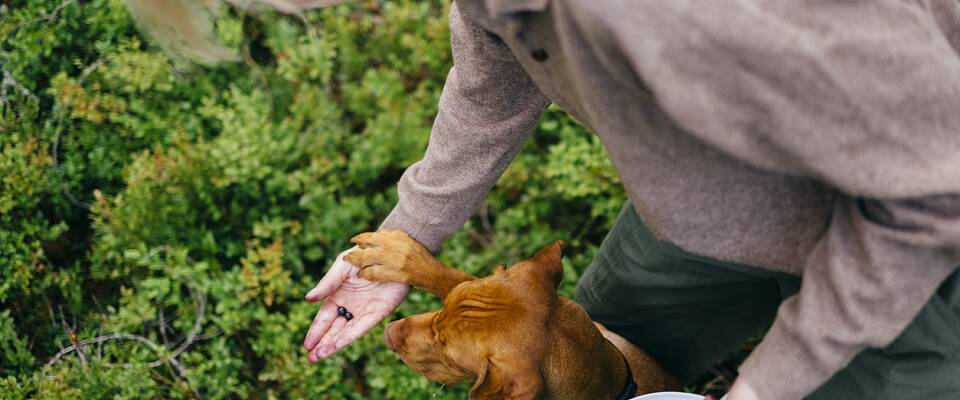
(156, 250)
(206, 336)
(486, 236)
(90, 68)
(169, 360)
(485, 221)
(51, 16)
(190, 339)
(99, 346)
(197, 325)
(71, 331)
(8, 83)
(113, 336)
(163, 328)
(53, 318)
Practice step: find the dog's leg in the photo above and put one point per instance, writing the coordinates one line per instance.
(391, 255)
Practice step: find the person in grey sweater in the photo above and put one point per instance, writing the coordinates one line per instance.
(794, 162)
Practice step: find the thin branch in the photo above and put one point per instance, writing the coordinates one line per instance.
(163, 328)
(52, 15)
(90, 68)
(191, 338)
(113, 336)
(169, 360)
(486, 235)
(156, 250)
(99, 346)
(71, 331)
(485, 221)
(53, 318)
(206, 336)
(197, 325)
(8, 83)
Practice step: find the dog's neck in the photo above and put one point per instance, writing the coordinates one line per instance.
(582, 363)
(630, 384)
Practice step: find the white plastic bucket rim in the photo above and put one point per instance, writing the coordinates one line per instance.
(669, 396)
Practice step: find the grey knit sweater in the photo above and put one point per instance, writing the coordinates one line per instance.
(819, 138)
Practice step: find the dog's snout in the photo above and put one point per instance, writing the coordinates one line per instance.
(387, 335)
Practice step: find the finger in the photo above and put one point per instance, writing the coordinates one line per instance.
(363, 240)
(321, 323)
(325, 348)
(332, 280)
(356, 330)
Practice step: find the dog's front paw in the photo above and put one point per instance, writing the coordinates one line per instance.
(388, 255)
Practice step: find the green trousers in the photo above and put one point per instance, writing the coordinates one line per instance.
(690, 311)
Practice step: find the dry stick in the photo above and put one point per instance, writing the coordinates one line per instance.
(99, 346)
(170, 360)
(99, 326)
(206, 336)
(163, 320)
(53, 318)
(49, 17)
(71, 333)
(157, 250)
(191, 338)
(485, 222)
(197, 325)
(9, 82)
(163, 329)
(90, 68)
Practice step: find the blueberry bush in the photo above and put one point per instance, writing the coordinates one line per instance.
(161, 220)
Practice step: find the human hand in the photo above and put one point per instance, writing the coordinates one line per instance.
(369, 302)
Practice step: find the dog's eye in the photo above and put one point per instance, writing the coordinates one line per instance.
(437, 335)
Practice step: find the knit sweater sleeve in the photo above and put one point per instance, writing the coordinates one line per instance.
(872, 272)
(489, 106)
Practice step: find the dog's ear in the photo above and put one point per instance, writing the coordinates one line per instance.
(494, 382)
(488, 385)
(548, 267)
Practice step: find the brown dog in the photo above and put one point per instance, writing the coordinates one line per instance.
(510, 332)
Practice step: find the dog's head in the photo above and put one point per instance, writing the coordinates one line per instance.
(490, 330)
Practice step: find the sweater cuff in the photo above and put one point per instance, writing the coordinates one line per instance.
(400, 220)
(782, 368)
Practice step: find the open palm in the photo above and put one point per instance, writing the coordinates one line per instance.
(369, 302)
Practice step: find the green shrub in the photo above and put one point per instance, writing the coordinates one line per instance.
(192, 207)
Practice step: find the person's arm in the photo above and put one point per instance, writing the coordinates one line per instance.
(874, 269)
(488, 108)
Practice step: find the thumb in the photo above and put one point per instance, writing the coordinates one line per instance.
(333, 279)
